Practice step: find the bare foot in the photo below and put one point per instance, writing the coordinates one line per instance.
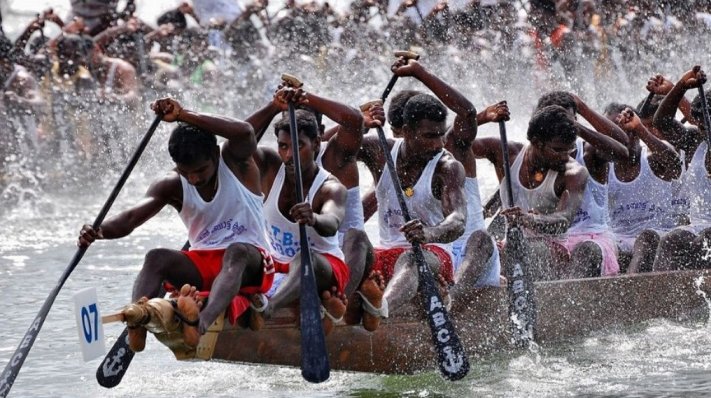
(136, 332)
(189, 307)
(372, 289)
(335, 304)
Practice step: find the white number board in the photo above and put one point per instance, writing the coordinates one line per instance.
(89, 326)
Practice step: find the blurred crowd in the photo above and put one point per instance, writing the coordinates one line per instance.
(78, 93)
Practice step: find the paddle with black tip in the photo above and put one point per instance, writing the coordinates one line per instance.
(117, 360)
(407, 55)
(18, 358)
(516, 263)
(314, 356)
(452, 359)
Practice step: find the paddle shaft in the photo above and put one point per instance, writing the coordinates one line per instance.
(18, 358)
(453, 362)
(644, 110)
(520, 287)
(705, 111)
(314, 356)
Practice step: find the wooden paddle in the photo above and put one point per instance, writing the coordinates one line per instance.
(18, 358)
(516, 255)
(452, 359)
(407, 55)
(705, 112)
(314, 356)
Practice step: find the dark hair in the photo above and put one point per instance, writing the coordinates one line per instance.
(697, 111)
(423, 107)
(175, 17)
(552, 122)
(615, 108)
(318, 115)
(397, 107)
(189, 144)
(305, 124)
(561, 98)
(72, 41)
(6, 47)
(651, 108)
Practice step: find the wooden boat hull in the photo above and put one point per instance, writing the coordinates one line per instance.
(403, 345)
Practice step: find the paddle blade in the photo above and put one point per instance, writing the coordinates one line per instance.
(115, 364)
(452, 359)
(314, 356)
(520, 287)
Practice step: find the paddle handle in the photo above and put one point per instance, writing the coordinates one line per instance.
(12, 368)
(644, 110)
(453, 362)
(507, 168)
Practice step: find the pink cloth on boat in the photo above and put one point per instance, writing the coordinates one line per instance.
(606, 242)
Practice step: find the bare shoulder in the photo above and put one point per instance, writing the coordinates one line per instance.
(450, 166)
(167, 188)
(333, 189)
(575, 173)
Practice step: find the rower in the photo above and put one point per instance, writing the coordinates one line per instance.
(432, 179)
(640, 190)
(337, 155)
(547, 184)
(475, 256)
(689, 246)
(592, 247)
(322, 212)
(217, 192)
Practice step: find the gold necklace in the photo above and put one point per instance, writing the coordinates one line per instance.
(409, 191)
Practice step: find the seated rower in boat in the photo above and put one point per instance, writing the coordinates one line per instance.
(228, 254)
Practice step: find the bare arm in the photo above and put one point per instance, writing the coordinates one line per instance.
(161, 193)
(329, 209)
(606, 148)
(350, 120)
(663, 159)
(454, 205)
(465, 123)
(602, 124)
(664, 117)
(241, 141)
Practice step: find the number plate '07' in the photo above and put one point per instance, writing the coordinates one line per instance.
(89, 326)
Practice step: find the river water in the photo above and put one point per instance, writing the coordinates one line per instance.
(42, 214)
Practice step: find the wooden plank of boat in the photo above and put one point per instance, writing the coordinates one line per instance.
(566, 309)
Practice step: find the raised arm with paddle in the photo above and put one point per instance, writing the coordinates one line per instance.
(18, 358)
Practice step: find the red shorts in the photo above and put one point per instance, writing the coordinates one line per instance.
(385, 260)
(341, 271)
(209, 264)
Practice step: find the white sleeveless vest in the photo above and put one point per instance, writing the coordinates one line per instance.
(422, 204)
(354, 207)
(593, 214)
(233, 215)
(283, 234)
(542, 198)
(639, 204)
